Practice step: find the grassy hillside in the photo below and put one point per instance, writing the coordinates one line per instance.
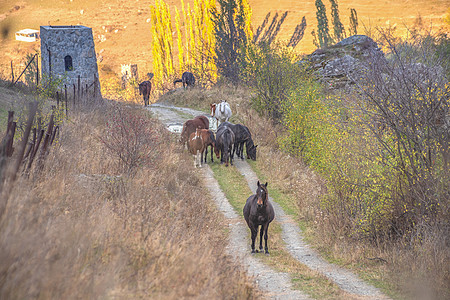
(122, 31)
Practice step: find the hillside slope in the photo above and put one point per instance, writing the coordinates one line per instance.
(122, 28)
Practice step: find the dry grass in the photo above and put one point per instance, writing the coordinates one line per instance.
(84, 230)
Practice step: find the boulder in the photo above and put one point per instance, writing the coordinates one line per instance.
(337, 64)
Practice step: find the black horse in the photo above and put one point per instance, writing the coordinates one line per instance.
(258, 211)
(242, 136)
(224, 143)
(145, 88)
(187, 79)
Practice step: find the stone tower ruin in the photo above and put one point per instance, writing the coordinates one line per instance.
(68, 52)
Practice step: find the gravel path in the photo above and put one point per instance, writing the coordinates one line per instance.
(276, 285)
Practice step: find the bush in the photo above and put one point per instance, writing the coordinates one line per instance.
(131, 137)
(272, 73)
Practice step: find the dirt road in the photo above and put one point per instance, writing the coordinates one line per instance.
(276, 285)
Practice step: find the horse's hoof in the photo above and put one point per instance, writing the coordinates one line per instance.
(253, 251)
(267, 253)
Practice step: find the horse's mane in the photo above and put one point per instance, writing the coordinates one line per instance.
(222, 107)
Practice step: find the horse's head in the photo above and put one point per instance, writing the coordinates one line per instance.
(213, 109)
(261, 195)
(184, 134)
(251, 152)
(216, 150)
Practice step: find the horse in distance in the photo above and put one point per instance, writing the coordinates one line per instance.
(145, 88)
(224, 143)
(187, 79)
(190, 126)
(259, 212)
(221, 112)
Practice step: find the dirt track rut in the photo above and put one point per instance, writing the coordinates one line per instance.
(276, 285)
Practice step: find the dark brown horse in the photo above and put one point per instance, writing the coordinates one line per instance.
(190, 126)
(224, 143)
(258, 211)
(145, 88)
(187, 79)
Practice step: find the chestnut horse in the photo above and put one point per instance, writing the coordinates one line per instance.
(189, 127)
(210, 141)
(145, 88)
(198, 143)
(258, 211)
(196, 146)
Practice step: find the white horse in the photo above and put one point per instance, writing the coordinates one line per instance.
(221, 112)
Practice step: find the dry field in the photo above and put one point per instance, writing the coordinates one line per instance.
(122, 30)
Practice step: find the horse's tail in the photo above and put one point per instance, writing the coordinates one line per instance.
(178, 80)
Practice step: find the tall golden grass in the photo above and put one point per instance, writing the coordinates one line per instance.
(84, 229)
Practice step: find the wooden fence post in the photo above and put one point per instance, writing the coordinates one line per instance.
(79, 87)
(26, 134)
(9, 145)
(95, 86)
(45, 145)
(65, 100)
(10, 132)
(74, 95)
(12, 73)
(37, 72)
(35, 149)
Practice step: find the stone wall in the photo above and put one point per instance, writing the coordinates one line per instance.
(62, 45)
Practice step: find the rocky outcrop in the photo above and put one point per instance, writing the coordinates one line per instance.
(338, 64)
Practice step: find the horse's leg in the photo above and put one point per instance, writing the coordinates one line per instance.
(254, 232)
(266, 229)
(212, 150)
(231, 156)
(261, 233)
(201, 157)
(238, 149)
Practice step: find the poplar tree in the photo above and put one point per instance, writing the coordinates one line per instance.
(338, 28)
(233, 33)
(162, 42)
(353, 22)
(323, 34)
(179, 40)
